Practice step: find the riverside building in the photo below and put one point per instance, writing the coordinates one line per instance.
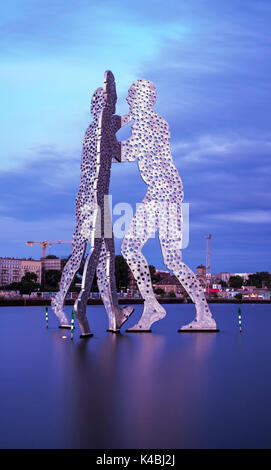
(13, 269)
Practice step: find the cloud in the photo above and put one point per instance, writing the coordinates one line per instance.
(16, 232)
(210, 62)
(42, 193)
(250, 217)
(40, 188)
(227, 150)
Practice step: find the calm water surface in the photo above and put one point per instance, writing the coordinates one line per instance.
(158, 390)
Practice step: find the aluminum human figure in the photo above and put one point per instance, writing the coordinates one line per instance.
(160, 209)
(93, 220)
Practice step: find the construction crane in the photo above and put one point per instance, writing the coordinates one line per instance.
(46, 243)
(208, 267)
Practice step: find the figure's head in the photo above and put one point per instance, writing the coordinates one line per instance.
(110, 91)
(141, 95)
(97, 103)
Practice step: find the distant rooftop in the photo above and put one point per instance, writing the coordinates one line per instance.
(168, 281)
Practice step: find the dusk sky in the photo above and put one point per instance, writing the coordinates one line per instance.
(211, 64)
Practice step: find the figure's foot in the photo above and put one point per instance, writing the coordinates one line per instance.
(120, 318)
(153, 312)
(57, 306)
(112, 330)
(204, 320)
(201, 325)
(138, 328)
(86, 335)
(80, 313)
(123, 315)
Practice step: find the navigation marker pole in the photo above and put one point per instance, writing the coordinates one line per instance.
(46, 316)
(240, 319)
(72, 325)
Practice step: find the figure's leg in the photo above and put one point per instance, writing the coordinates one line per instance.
(117, 316)
(102, 281)
(80, 305)
(69, 271)
(137, 235)
(173, 260)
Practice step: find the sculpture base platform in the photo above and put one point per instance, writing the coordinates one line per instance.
(65, 327)
(113, 331)
(86, 335)
(198, 330)
(138, 331)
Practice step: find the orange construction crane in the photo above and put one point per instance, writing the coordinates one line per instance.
(46, 243)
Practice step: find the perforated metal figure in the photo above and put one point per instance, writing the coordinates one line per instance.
(93, 219)
(160, 209)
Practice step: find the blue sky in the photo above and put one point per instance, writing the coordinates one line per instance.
(211, 64)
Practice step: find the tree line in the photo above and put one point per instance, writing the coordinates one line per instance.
(259, 280)
(51, 278)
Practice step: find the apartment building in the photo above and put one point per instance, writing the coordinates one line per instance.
(9, 270)
(13, 269)
(32, 266)
(51, 263)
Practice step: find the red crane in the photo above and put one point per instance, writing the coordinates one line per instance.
(46, 243)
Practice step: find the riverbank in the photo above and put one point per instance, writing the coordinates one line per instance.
(123, 301)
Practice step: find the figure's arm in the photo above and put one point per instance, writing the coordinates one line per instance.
(140, 145)
(118, 122)
(125, 151)
(116, 151)
(129, 150)
(125, 119)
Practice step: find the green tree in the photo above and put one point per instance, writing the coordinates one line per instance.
(159, 291)
(236, 282)
(266, 279)
(12, 286)
(172, 294)
(121, 272)
(260, 279)
(94, 287)
(223, 283)
(29, 277)
(154, 277)
(152, 270)
(76, 279)
(51, 279)
(27, 285)
(186, 297)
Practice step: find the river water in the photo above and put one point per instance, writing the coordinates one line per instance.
(151, 390)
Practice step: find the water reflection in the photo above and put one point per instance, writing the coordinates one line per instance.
(204, 344)
(159, 390)
(127, 390)
(114, 382)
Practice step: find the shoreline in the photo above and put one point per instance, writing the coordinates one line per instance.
(122, 301)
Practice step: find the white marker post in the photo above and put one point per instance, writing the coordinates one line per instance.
(72, 325)
(46, 316)
(240, 320)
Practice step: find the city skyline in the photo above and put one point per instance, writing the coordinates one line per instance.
(211, 65)
(53, 261)
(14, 269)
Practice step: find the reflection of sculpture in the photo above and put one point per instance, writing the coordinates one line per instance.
(160, 208)
(93, 220)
